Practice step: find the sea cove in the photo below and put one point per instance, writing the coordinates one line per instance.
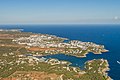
(101, 34)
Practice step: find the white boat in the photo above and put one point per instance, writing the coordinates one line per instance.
(118, 62)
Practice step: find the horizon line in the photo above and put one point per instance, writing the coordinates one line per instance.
(59, 23)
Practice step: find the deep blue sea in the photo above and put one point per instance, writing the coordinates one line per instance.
(108, 35)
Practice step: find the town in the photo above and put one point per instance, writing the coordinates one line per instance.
(53, 45)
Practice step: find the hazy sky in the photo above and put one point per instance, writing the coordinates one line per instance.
(59, 11)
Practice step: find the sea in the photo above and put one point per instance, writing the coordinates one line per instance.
(104, 34)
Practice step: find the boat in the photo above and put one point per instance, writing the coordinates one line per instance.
(118, 62)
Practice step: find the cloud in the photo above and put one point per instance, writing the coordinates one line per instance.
(116, 18)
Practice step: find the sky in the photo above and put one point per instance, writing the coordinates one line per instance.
(59, 11)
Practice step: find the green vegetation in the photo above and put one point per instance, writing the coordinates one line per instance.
(13, 58)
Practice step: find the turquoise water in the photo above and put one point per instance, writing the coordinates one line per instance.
(108, 35)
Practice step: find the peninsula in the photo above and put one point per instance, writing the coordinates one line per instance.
(19, 51)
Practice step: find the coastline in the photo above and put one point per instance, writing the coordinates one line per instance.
(44, 44)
